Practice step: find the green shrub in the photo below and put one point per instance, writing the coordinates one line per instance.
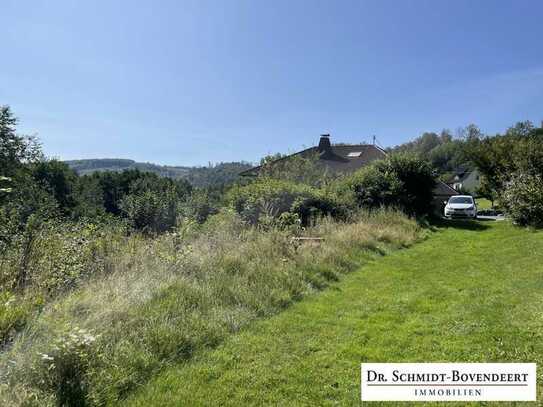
(523, 199)
(50, 257)
(199, 206)
(153, 204)
(400, 180)
(270, 198)
(13, 314)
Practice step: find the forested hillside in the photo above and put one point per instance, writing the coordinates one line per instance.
(212, 175)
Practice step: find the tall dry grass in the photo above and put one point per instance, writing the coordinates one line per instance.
(171, 296)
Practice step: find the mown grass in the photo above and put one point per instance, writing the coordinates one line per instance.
(166, 299)
(471, 293)
(483, 203)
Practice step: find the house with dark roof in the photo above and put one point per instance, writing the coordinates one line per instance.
(335, 159)
(347, 158)
(465, 179)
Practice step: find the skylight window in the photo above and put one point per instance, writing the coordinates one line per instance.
(354, 154)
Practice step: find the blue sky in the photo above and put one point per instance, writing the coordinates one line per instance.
(192, 82)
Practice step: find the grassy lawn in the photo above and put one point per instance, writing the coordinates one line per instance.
(483, 203)
(469, 293)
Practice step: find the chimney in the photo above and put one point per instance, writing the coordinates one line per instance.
(324, 143)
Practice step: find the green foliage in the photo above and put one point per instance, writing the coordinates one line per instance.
(153, 204)
(523, 199)
(271, 197)
(444, 152)
(200, 205)
(48, 258)
(58, 180)
(297, 168)
(13, 314)
(149, 202)
(400, 180)
(112, 187)
(448, 156)
(511, 166)
(27, 198)
(53, 256)
(15, 150)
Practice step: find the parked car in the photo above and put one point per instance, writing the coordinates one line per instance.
(460, 206)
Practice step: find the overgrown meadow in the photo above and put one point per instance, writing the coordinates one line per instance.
(153, 302)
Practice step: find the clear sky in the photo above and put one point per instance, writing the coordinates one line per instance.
(192, 82)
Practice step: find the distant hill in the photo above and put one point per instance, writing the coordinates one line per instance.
(218, 174)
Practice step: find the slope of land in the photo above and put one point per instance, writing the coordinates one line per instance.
(218, 174)
(470, 293)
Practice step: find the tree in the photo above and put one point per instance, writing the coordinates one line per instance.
(470, 132)
(15, 150)
(499, 157)
(445, 152)
(521, 129)
(401, 180)
(58, 179)
(153, 203)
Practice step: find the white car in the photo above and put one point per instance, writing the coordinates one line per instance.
(461, 206)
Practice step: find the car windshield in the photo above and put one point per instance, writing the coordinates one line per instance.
(461, 200)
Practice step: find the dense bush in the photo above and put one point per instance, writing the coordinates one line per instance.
(400, 180)
(523, 199)
(270, 198)
(200, 205)
(152, 204)
(48, 258)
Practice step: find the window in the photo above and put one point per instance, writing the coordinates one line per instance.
(354, 154)
(461, 200)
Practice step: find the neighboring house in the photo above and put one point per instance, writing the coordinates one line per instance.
(347, 158)
(465, 180)
(336, 159)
